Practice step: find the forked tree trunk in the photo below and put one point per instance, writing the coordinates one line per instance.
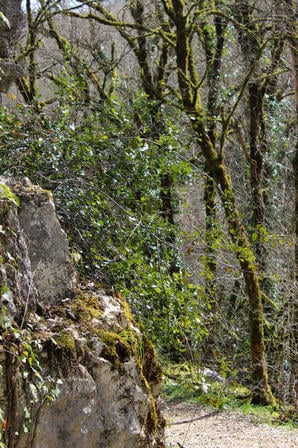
(218, 171)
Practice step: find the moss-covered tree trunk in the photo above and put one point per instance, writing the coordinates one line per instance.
(295, 301)
(215, 164)
(250, 36)
(210, 219)
(295, 313)
(257, 166)
(291, 12)
(27, 85)
(212, 37)
(262, 392)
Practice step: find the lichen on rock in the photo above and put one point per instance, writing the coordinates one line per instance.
(76, 369)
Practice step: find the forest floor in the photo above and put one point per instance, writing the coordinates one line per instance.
(196, 426)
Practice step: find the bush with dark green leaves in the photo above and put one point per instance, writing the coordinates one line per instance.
(105, 173)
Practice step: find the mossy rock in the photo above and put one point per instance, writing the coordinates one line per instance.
(86, 306)
(65, 341)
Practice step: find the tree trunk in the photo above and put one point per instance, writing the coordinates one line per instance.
(295, 313)
(294, 49)
(152, 83)
(248, 37)
(213, 39)
(289, 10)
(262, 393)
(218, 171)
(295, 301)
(210, 219)
(256, 167)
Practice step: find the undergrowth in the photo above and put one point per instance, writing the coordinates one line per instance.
(185, 382)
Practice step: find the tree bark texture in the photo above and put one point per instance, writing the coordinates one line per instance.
(215, 165)
(288, 11)
(294, 50)
(213, 39)
(248, 37)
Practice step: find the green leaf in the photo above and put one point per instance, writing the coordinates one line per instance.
(5, 193)
(254, 237)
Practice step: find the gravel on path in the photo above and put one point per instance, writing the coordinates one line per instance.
(195, 426)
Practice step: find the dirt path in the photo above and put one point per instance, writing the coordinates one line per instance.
(195, 426)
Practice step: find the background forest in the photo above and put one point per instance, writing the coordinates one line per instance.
(167, 133)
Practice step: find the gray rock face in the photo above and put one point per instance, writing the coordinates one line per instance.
(52, 274)
(76, 371)
(18, 290)
(9, 36)
(102, 407)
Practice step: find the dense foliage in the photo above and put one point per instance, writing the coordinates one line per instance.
(126, 155)
(106, 183)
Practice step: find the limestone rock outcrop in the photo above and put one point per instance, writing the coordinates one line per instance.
(76, 370)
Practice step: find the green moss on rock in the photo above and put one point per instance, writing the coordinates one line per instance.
(86, 306)
(116, 349)
(65, 341)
